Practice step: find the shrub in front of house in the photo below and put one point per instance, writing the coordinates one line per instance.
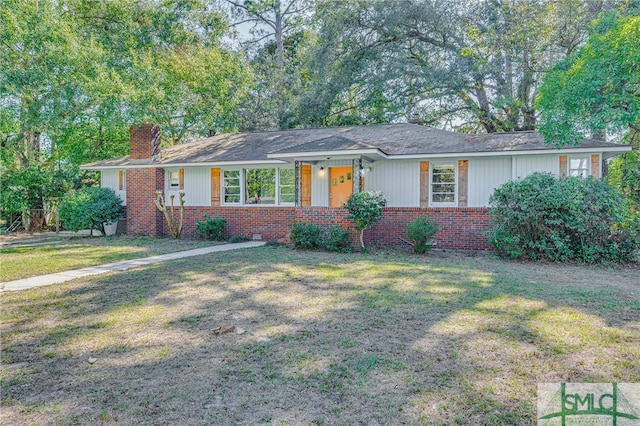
(365, 209)
(305, 235)
(211, 229)
(89, 208)
(420, 232)
(309, 236)
(562, 219)
(336, 238)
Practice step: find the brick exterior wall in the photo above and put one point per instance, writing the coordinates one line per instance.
(272, 223)
(143, 218)
(460, 228)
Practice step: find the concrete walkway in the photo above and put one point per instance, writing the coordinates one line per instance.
(61, 277)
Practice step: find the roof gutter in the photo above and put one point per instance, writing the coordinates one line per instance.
(169, 165)
(614, 150)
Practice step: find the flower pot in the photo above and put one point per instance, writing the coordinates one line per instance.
(110, 228)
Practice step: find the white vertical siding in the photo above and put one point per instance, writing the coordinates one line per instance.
(399, 181)
(197, 186)
(525, 165)
(486, 174)
(111, 179)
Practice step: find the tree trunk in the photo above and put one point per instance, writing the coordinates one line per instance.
(31, 148)
(36, 222)
(279, 38)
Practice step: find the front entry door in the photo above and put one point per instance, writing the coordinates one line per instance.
(340, 185)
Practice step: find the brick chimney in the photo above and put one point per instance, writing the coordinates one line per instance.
(143, 218)
(145, 141)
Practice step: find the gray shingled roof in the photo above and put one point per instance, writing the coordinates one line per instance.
(391, 139)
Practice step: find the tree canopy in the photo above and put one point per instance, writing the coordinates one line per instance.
(475, 66)
(597, 88)
(78, 73)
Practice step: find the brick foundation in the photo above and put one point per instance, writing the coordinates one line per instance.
(460, 228)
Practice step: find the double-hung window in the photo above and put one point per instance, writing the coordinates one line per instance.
(579, 166)
(443, 184)
(287, 186)
(231, 186)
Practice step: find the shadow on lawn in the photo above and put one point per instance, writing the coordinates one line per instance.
(330, 339)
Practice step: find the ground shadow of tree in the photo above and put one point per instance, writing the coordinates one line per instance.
(328, 339)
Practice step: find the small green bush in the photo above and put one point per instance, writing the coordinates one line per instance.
(562, 219)
(309, 236)
(89, 208)
(365, 208)
(306, 235)
(420, 232)
(336, 238)
(211, 229)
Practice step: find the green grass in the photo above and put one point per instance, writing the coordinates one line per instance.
(335, 339)
(24, 262)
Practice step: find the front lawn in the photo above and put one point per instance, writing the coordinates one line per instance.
(75, 253)
(333, 339)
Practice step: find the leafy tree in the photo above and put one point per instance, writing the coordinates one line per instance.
(90, 208)
(33, 189)
(75, 74)
(365, 209)
(276, 49)
(597, 88)
(271, 19)
(596, 91)
(475, 65)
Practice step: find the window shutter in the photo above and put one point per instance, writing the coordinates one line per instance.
(305, 185)
(463, 182)
(181, 179)
(121, 180)
(563, 165)
(215, 187)
(424, 184)
(595, 166)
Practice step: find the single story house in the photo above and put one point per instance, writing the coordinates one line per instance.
(263, 182)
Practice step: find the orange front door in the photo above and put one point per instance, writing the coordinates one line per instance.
(340, 185)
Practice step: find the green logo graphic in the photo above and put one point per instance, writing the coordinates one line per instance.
(565, 404)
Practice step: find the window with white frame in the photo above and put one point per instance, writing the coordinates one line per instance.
(260, 186)
(231, 186)
(174, 179)
(443, 184)
(287, 186)
(579, 166)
